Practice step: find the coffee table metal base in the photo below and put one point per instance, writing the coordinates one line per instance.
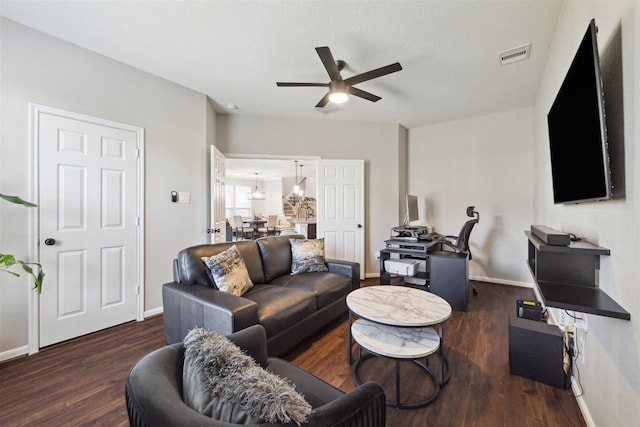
(414, 344)
(397, 404)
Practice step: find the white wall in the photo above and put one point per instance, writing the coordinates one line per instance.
(376, 143)
(610, 363)
(484, 162)
(271, 205)
(178, 126)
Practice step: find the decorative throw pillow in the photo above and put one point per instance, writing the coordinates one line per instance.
(221, 381)
(307, 255)
(229, 271)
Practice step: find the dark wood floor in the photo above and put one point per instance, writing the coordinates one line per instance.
(81, 382)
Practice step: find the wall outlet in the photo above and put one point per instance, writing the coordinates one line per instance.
(564, 320)
(377, 255)
(581, 323)
(581, 342)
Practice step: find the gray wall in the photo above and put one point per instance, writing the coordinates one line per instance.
(610, 361)
(40, 69)
(483, 162)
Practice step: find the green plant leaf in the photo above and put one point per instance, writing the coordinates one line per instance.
(10, 272)
(17, 200)
(7, 260)
(32, 268)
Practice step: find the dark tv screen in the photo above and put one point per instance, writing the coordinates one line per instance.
(577, 130)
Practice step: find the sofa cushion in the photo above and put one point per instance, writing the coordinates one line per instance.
(280, 307)
(276, 256)
(191, 269)
(229, 271)
(327, 287)
(307, 256)
(221, 381)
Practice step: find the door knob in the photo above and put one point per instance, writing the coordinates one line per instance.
(50, 241)
(359, 225)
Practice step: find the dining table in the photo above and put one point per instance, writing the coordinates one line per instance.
(254, 223)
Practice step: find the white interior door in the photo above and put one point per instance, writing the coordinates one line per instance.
(89, 185)
(341, 209)
(218, 219)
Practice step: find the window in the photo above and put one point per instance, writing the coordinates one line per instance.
(237, 200)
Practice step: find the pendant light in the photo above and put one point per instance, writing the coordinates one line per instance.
(296, 187)
(258, 195)
(301, 187)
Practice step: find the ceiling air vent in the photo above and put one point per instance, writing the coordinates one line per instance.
(516, 54)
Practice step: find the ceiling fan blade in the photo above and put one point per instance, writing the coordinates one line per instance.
(329, 63)
(378, 72)
(324, 101)
(288, 84)
(363, 94)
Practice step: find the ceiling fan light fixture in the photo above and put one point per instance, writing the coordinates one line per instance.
(338, 92)
(338, 97)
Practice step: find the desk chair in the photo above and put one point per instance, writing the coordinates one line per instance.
(239, 230)
(460, 243)
(270, 227)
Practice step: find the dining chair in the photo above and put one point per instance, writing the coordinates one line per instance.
(270, 227)
(240, 231)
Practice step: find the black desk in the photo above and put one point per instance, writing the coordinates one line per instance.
(446, 275)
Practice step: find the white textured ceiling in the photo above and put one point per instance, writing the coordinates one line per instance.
(235, 51)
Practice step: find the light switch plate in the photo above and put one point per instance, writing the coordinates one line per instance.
(184, 197)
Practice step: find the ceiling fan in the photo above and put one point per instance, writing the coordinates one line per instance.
(340, 89)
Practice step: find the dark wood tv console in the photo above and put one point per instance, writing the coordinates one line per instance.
(566, 277)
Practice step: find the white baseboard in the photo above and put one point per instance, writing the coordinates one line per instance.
(13, 353)
(153, 312)
(501, 281)
(582, 404)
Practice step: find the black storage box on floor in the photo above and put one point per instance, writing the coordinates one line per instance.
(536, 351)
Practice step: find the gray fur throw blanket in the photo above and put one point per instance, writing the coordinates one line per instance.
(234, 378)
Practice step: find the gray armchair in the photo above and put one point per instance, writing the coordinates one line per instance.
(154, 390)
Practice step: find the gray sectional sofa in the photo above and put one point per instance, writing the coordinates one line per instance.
(289, 307)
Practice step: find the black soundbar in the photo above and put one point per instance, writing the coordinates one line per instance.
(550, 236)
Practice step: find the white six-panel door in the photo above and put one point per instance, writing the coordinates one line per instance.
(341, 209)
(89, 225)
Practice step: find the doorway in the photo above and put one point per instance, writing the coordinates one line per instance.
(276, 178)
(337, 187)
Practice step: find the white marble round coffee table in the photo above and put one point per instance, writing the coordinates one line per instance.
(397, 322)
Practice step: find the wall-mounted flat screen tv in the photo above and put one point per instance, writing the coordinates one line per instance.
(577, 130)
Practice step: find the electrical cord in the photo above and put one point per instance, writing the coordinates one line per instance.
(573, 344)
(577, 371)
(572, 316)
(575, 238)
